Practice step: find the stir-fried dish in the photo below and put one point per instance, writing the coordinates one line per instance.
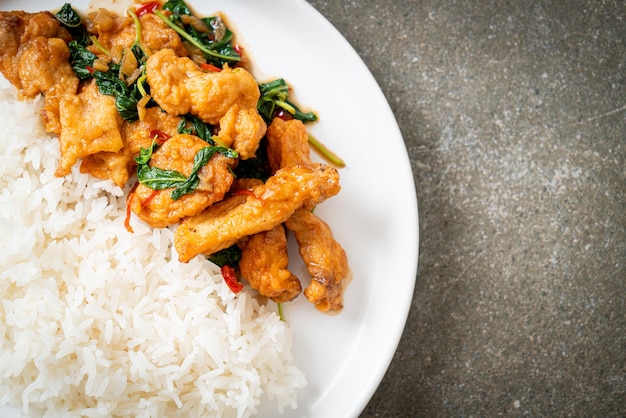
(162, 103)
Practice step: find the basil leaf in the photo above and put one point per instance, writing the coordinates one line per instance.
(80, 59)
(193, 125)
(68, 16)
(145, 154)
(201, 158)
(177, 7)
(127, 108)
(110, 84)
(227, 257)
(159, 179)
(274, 95)
(216, 43)
(72, 21)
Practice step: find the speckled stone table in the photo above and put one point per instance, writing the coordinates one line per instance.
(514, 117)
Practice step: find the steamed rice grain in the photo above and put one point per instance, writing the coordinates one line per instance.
(96, 321)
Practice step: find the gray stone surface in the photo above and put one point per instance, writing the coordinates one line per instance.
(514, 117)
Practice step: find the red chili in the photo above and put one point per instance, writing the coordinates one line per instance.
(146, 8)
(127, 220)
(160, 136)
(210, 67)
(231, 280)
(129, 199)
(238, 49)
(283, 114)
(148, 199)
(90, 69)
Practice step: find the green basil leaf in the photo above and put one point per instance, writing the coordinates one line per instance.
(68, 16)
(275, 94)
(227, 257)
(145, 154)
(72, 21)
(80, 59)
(127, 108)
(193, 125)
(201, 158)
(177, 7)
(159, 179)
(186, 187)
(110, 84)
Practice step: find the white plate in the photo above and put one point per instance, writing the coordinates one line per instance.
(374, 217)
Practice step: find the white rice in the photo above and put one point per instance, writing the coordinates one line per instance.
(96, 321)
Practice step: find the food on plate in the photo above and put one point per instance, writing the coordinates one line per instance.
(155, 228)
(157, 207)
(324, 257)
(263, 207)
(97, 321)
(34, 58)
(264, 263)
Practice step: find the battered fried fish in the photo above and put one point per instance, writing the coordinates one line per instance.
(324, 257)
(34, 58)
(263, 264)
(267, 205)
(226, 98)
(157, 208)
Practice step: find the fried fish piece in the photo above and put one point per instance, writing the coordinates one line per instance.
(267, 205)
(226, 98)
(96, 129)
(242, 129)
(263, 264)
(18, 28)
(118, 166)
(115, 31)
(325, 259)
(44, 68)
(157, 208)
(287, 143)
(34, 58)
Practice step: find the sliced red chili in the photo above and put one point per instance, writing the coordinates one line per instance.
(210, 67)
(146, 8)
(129, 199)
(128, 211)
(90, 69)
(231, 279)
(283, 114)
(147, 200)
(161, 136)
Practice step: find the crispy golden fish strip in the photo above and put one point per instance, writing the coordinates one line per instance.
(325, 259)
(270, 204)
(44, 68)
(119, 166)
(96, 130)
(263, 264)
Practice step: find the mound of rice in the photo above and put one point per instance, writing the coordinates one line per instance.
(96, 321)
